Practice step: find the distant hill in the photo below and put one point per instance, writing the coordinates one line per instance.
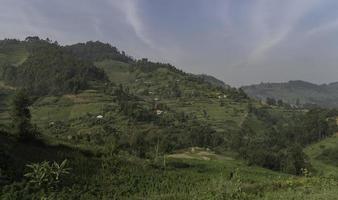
(292, 92)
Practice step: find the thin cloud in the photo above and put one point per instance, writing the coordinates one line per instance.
(164, 51)
(292, 13)
(328, 27)
(130, 10)
(226, 37)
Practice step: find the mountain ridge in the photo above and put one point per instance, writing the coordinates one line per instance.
(324, 95)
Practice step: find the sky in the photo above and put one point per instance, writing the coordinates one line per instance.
(238, 41)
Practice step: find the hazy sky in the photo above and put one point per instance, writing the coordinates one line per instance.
(238, 41)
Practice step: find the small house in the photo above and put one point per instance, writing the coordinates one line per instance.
(158, 112)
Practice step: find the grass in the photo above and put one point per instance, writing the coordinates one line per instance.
(186, 174)
(16, 54)
(200, 179)
(118, 72)
(69, 107)
(315, 153)
(198, 154)
(222, 118)
(181, 178)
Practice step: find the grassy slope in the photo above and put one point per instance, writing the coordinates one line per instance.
(68, 107)
(117, 71)
(201, 179)
(221, 117)
(14, 54)
(154, 82)
(180, 179)
(316, 150)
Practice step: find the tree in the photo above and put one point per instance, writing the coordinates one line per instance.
(270, 101)
(297, 102)
(139, 144)
(49, 69)
(295, 160)
(21, 116)
(176, 90)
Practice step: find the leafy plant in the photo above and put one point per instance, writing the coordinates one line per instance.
(21, 116)
(39, 173)
(59, 170)
(47, 174)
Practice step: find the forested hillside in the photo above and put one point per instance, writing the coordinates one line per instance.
(87, 121)
(48, 69)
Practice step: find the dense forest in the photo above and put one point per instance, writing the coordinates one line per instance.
(87, 121)
(50, 70)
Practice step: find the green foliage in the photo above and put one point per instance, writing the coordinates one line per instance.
(46, 174)
(279, 145)
(214, 81)
(329, 156)
(21, 116)
(97, 51)
(271, 101)
(146, 66)
(121, 140)
(12, 52)
(49, 70)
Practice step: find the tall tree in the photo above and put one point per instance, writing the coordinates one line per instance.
(21, 116)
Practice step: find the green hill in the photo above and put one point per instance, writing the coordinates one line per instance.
(12, 52)
(97, 51)
(135, 129)
(45, 68)
(324, 156)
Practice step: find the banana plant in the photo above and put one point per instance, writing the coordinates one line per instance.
(46, 174)
(39, 173)
(59, 170)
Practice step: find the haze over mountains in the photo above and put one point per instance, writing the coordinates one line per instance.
(297, 92)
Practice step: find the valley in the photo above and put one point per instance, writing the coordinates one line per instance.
(136, 129)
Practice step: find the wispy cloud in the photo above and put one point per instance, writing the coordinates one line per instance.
(161, 50)
(267, 38)
(130, 9)
(324, 28)
(284, 24)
